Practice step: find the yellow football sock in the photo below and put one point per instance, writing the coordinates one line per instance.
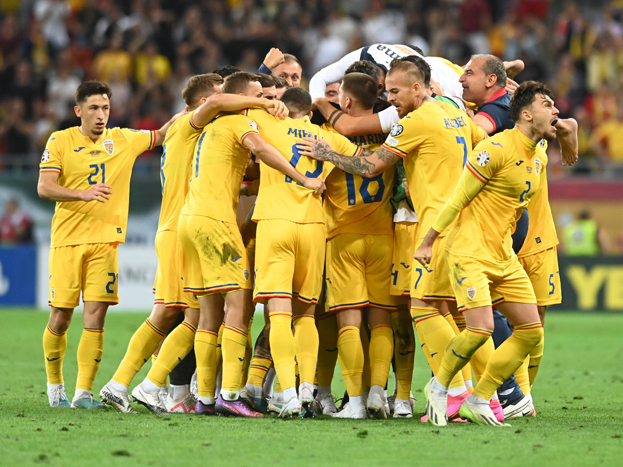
(522, 378)
(431, 362)
(404, 352)
(365, 344)
(536, 354)
(306, 341)
(90, 352)
(350, 354)
(219, 350)
(435, 331)
(381, 352)
(248, 355)
(144, 343)
(466, 371)
(459, 351)
(508, 357)
(258, 369)
(54, 347)
(481, 358)
(234, 345)
(205, 353)
(174, 348)
(283, 348)
(327, 349)
(278, 388)
(460, 322)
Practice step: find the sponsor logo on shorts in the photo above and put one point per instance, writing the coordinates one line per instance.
(119, 230)
(483, 158)
(471, 293)
(247, 274)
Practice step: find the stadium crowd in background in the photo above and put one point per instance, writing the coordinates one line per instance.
(147, 50)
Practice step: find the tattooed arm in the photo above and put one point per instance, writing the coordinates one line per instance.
(369, 164)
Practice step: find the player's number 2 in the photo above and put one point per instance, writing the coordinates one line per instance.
(96, 170)
(296, 156)
(526, 191)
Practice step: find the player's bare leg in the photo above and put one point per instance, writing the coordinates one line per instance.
(54, 347)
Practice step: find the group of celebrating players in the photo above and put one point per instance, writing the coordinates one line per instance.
(399, 189)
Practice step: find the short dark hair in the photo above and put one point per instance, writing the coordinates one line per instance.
(417, 49)
(298, 101)
(226, 70)
(361, 88)
(237, 83)
(366, 67)
(493, 66)
(266, 80)
(413, 65)
(289, 58)
(280, 82)
(91, 88)
(200, 86)
(524, 96)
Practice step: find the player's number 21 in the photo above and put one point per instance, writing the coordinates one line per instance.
(96, 170)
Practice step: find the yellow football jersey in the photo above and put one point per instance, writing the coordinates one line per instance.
(177, 153)
(500, 177)
(434, 141)
(218, 166)
(353, 203)
(280, 197)
(81, 163)
(541, 228)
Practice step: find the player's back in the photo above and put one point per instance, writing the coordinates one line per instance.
(175, 167)
(354, 203)
(510, 165)
(82, 163)
(280, 197)
(218, 166)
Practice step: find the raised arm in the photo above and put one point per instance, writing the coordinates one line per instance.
(468, 187)
(162, 132)
(331, 74)
(218, 103)
(345, 124)
(369, 164)
(273, 158)
(567, 134)
(48, 188)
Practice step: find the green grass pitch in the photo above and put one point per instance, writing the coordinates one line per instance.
(579, 400)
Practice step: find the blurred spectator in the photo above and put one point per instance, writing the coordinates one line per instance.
(151, 63)
(583, 237)
(113, 60)
(608, 138)
(61, 90)
(16, 132)
(15, 225)
(51, 14)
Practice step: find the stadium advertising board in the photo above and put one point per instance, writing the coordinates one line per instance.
(590, 284)
(17, 275)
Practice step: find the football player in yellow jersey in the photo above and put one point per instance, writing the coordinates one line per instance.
(86, 170)
(358, 261)
(214, 262)
(434, 140)
(290, 248)
(178, 150)
(501, 176)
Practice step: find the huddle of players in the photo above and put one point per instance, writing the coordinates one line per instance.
(199, 237)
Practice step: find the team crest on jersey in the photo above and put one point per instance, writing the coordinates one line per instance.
(109, 145)
(247, 274)
(397, 130)
(253, 125)
(537, 166)
(471, 293)
(46, 156)
(483, 158)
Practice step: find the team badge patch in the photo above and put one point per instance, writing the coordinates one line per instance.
(46, 156)
(247, 274)
(109, 145)
(537, 166)
(253, 125)
(397, 130)
(542, 143)
(483, 158)
(471, 293)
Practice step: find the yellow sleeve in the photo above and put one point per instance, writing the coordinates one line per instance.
(140, 140)
(340, 143)
(406, 135)
(52, 160)
(481, 165)
(243, 126)
(478, 134)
